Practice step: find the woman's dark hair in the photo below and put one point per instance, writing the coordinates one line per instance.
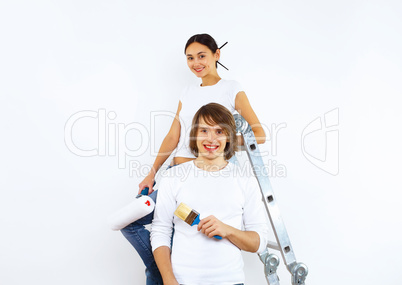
(214, 113)
(205, 40)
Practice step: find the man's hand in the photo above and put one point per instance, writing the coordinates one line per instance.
(211, 226)
(245, 240)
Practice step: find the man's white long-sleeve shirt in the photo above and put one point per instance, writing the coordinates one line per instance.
(232, 197)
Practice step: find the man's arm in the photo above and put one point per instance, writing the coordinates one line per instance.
(162, 258)
(161, 230)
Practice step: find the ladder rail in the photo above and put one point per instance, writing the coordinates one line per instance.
(299, 271)
(270, 203)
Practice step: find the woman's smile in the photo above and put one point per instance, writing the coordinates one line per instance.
(199, 69)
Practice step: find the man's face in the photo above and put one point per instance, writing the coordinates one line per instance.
(211, 140)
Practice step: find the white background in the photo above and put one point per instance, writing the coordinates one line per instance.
(296, 60)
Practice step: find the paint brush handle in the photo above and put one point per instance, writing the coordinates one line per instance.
(197, 221)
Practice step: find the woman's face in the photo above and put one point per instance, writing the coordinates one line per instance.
(201, 60)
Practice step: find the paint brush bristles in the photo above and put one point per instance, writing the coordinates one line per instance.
(187, 214)
(190, 216)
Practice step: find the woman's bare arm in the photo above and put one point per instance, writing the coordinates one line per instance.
(168, 146)
(242, 105)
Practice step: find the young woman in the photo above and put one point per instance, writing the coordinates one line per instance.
(226, 200)
(202, 55)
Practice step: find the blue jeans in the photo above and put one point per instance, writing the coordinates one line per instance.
(138, 236)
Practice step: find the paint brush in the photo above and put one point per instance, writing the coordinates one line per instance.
(190, 216)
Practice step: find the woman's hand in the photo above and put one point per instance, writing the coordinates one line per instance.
(240, 140)
(147, 182)
(211, 226)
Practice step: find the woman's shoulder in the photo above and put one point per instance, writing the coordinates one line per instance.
(232, 84)
(221, 82)
(230, 81)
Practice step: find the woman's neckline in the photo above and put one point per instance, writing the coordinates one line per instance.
(200, 86)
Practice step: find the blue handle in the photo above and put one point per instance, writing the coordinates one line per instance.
(197, 221)
(145, 191)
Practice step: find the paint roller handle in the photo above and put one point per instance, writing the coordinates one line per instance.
(145, 191)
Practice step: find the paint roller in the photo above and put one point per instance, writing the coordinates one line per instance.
(140, 207)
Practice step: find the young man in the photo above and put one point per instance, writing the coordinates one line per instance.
(226, 200)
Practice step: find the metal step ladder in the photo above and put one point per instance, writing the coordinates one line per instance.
(298, 270)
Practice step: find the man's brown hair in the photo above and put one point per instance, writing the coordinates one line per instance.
(214, 113)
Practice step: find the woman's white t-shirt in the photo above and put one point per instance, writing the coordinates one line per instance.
(193, 98)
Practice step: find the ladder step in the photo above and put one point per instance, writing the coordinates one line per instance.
(273, 245)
